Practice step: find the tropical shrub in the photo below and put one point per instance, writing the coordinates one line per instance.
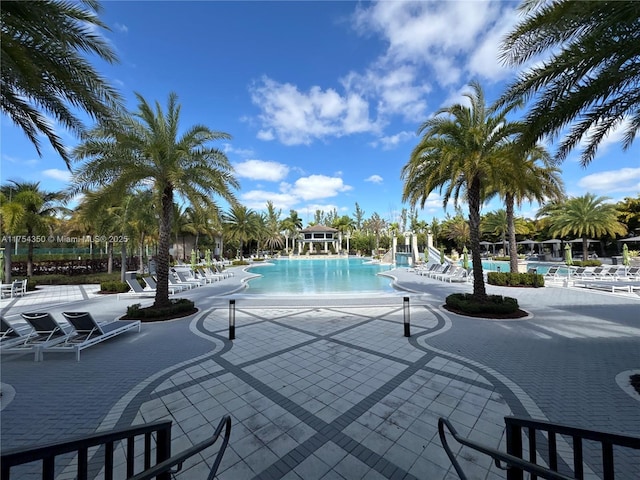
(514, 279)
(465, 302)
(113, 286)
(178, 307)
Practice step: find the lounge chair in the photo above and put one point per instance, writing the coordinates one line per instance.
(87, 332)
(427, 271)
(210, 274)
(173, 282)
(137, 290)
(439, 271)
(460, 275)
(632, 273)
(46, 332)
(10, 336)
(607, 286)
(151, 283)
(182, 278)
(446, 273)
(552, 274)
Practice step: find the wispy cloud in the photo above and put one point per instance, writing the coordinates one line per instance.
(623, 180)
(57, 174)
(120, 27)
(374, 179)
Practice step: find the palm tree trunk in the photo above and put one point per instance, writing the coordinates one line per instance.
(7, 261)
(511, 230)
(585, 249)
(110, 257)
(123, 261)
(473, 193)
(164, 240)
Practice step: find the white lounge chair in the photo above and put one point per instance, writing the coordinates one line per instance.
(46, 332)
(87, 332)
(137, 290)
(10, 336)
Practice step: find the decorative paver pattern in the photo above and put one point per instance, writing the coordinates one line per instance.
(329, 388)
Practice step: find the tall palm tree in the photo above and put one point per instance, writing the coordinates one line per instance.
(38, 208)
(524, 175)
(273, 239)
(292, 225)
(43, 69)
(589, 74)
(146, 149)
(457, 152)
(457, 230)
(585, 216)
(241, 224)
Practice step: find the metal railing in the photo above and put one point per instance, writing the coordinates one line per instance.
(47, 453)
(516, 425)
(516, 465)
(164, 462)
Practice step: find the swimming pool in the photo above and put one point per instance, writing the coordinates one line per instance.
(502, 266)
(319, 276)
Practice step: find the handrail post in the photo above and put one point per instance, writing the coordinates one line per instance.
(514, 447)
(407, 317)
(163, 450)
(232, 319)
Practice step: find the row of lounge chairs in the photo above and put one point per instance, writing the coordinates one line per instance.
(47, 335)
(610, 278)
(446, 272)
(179, 280)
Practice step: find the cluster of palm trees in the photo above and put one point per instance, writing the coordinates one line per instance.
(137, 164)
(585, 80)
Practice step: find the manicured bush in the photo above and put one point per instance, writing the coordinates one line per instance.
(180, 307)
(515, 279)
(587, 263)
(465, 302)
(114, 286)
(239, 262)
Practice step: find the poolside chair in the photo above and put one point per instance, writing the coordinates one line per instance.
(446, 273)
(552, 274)
(137, 290)
(10, 336)
(427, 271)
(173, 282)
(87, 332)
(151, 283)
(632, 273)
(182, 278)
(442, 270)
(46, 332)
(607, 286)
(460, 275)
(210, 274)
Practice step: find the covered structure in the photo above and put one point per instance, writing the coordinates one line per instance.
(322, 235)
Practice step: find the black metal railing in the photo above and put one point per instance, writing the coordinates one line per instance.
(161, 470)
(47, 453)
(510, 462)
(177, 460)
(516, 465)
(515, 426)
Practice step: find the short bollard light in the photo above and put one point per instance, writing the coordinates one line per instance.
(407, 317)
(232, 319)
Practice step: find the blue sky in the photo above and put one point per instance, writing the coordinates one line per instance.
(322, 99)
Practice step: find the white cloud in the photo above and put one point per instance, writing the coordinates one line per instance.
(319, 186)
(121, 27)
(57, 174)
(295, 117)
(440, 35)
(313, 187)
(623, 180)
(261, 170)
(393, 141)
(243, 152)
(374, 179)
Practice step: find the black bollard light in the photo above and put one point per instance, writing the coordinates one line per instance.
(232, 319)
(407, 315)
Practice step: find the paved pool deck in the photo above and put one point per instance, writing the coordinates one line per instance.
(327, 387)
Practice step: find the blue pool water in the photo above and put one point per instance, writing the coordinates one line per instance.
(541, 267)
(319, 276)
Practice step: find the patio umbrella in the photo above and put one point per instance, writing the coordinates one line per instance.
(465, 258)
(193, 259)
(441, 255)
(567, 255)
(426, 254)
(207, 257)
(626, 259)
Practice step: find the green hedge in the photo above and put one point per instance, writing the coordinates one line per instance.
(114, 286)
(587, 263)
(495, 304)
(236, 263)
(509, 279)
(178, 306)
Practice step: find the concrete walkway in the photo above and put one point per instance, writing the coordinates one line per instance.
(328, 387)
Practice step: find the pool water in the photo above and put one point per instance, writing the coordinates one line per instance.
(541, 267)
(319, 276)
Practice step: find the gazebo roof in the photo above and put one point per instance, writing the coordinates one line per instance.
(318, 229)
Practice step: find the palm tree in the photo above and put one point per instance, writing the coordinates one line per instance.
(44, 72)
(375, 225)
(292, 225)
(589, 78)
(524, 176)
(37, 211)
(145, 149)
(585, 216)
(457, 230)
(241, 224)
(273, 239)
(457, 152)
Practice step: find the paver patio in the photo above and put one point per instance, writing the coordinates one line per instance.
(329, 388)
